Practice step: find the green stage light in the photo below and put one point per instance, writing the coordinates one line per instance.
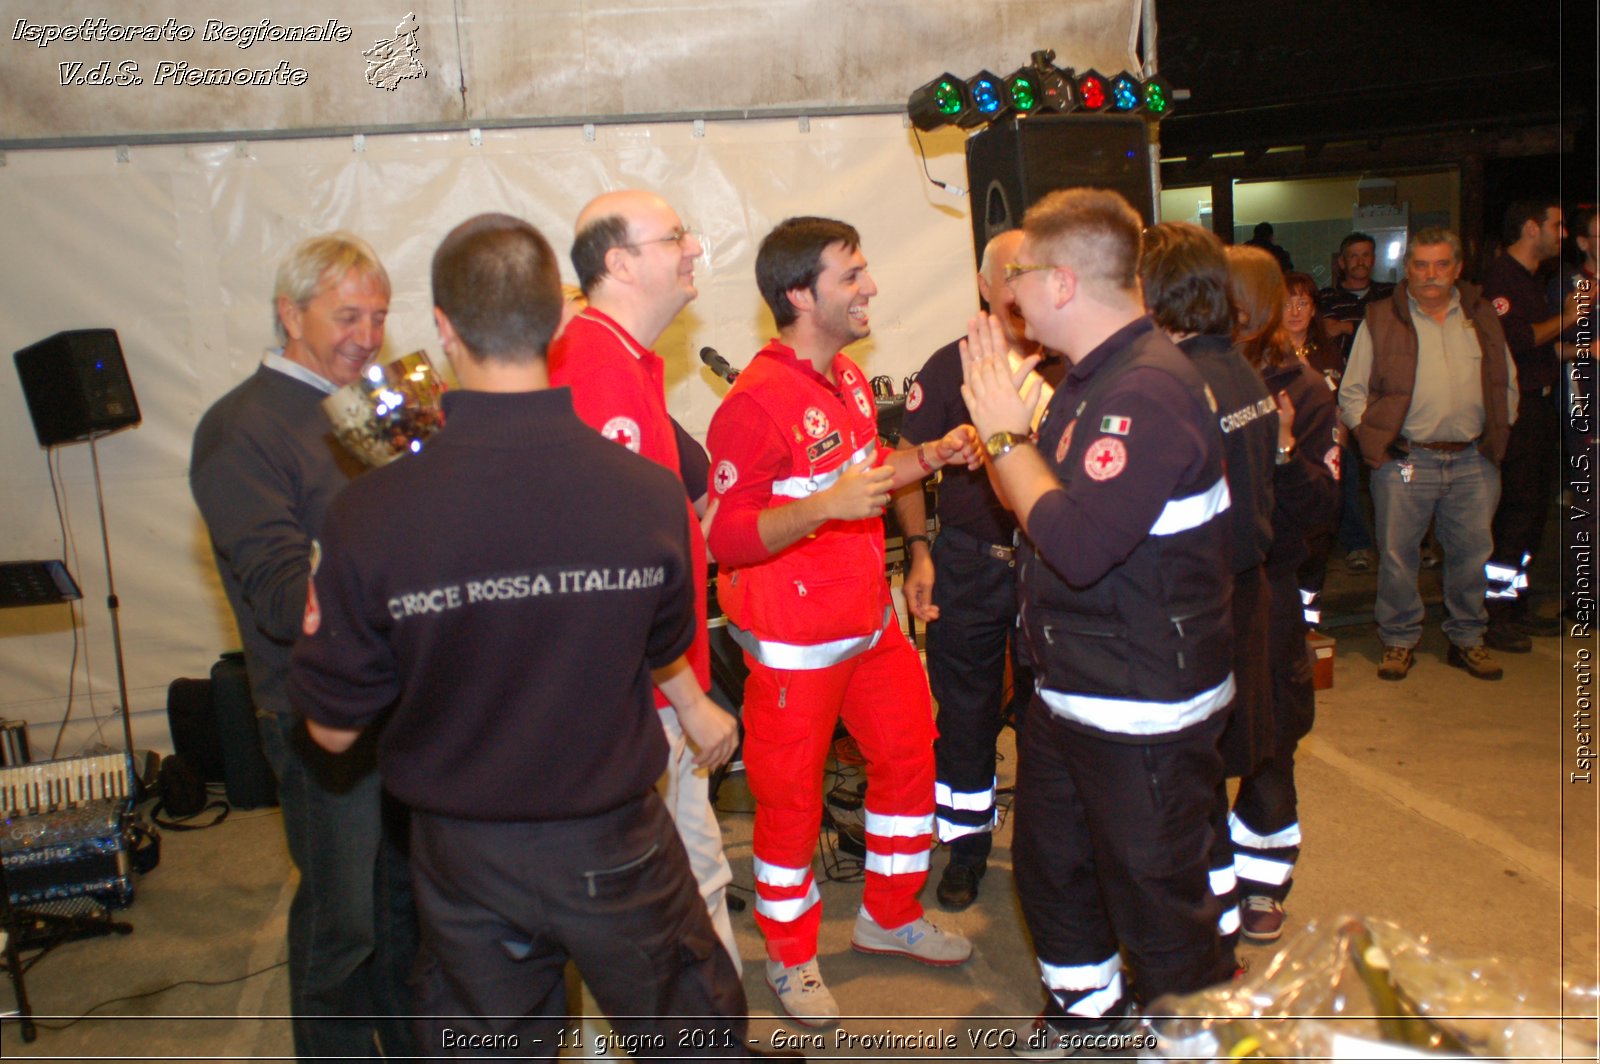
(942, 101)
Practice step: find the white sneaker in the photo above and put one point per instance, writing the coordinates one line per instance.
(802, 993)
(921, 940)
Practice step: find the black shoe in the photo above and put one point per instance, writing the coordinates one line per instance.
(958, 887)
(1506, 636)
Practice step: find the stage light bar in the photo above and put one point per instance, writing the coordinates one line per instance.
(941, 102)
(1040, 86)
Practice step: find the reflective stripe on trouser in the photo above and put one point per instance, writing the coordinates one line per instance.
(1264, 863)
(1311, 605)
(789, 719)
(1111, 849)
(1506, 582)
(977, 598)
(1084, 990)
(1224, 883)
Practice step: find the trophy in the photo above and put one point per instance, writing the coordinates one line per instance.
(390, 410)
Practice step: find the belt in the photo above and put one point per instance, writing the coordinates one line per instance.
(967, 541)
(1447, 446)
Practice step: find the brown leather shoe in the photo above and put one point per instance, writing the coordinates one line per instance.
(1395, 664)
(1476, 660)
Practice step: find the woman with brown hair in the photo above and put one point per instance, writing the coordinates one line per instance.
(1265, 821)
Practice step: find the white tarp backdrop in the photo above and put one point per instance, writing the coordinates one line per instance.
(175, 245)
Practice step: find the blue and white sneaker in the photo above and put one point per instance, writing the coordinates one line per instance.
(921, 940)
(802, 993)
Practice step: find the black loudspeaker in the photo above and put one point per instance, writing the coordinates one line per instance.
(1014, 163)
(77, 386)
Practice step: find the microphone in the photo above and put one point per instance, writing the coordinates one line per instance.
(718, 365)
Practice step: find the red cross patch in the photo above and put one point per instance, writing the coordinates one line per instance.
(863, 404)
(1331, 460)
(623, 430)
(1066, 442)
(1502, 306)
(914, 396)
(816, 423)
(1105, 458)
(725, 477)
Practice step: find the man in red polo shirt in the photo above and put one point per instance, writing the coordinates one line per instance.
(635, 264)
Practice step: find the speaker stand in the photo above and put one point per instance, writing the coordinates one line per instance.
(112, 605)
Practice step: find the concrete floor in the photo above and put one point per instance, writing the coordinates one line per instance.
(1441, 804)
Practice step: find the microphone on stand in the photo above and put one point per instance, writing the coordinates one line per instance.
(718, 365)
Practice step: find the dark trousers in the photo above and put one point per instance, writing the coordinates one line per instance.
(504, 906)
(1527, 483)
(1265, 826)
(977, 599)
(352, 924)
(1111, 850)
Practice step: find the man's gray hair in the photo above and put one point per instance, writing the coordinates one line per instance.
(319, 262)
(1436, 234)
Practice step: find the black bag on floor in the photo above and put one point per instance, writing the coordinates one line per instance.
(193, 723)
(249, 779)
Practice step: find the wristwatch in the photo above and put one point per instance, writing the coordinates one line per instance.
(1002, 443)
(1285, 455)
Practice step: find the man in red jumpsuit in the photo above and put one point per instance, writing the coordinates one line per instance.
(635, 264)
(801, 482)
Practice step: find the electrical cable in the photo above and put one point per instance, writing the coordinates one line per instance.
(954, 190)
(161, 990)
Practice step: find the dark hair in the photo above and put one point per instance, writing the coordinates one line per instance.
(1357, 237)
(1521, 213)
(790, 257)
(1255, 280)
(590, 245)
(1185, 277)
(496, 279)
(1093, 231)
(1263, 231)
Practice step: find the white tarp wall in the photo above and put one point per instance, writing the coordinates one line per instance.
(175, 245)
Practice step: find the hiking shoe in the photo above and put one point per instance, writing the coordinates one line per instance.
(1477, 661)
(1395, 664)
(1506, 635)
(1261, 918)
(802, 993)
(1358, 561)
(1039, 1040)
(958, 887)
(921, 940)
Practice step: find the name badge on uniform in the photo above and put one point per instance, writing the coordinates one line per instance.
(825, 446)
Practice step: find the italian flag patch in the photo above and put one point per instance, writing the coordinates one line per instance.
(1117, 426)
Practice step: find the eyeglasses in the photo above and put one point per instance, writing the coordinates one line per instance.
(1017, 269)
(677, 236)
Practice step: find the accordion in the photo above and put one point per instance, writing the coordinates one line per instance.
(64, 837)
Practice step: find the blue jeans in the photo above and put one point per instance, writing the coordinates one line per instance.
(352, 924)
(1458, 492)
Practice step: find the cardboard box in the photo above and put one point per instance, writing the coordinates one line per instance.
(1319, 648)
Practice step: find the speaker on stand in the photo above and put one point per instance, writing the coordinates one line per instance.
(77, 387)
(1014, 163)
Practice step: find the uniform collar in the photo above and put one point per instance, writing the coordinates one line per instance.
(611, 325)
(1118, 340)
(785, 354)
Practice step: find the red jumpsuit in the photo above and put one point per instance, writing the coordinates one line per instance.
(822, 642)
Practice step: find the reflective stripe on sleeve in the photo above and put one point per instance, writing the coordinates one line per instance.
(1180, 515)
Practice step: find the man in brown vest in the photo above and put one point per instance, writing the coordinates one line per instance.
(1428, 395)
